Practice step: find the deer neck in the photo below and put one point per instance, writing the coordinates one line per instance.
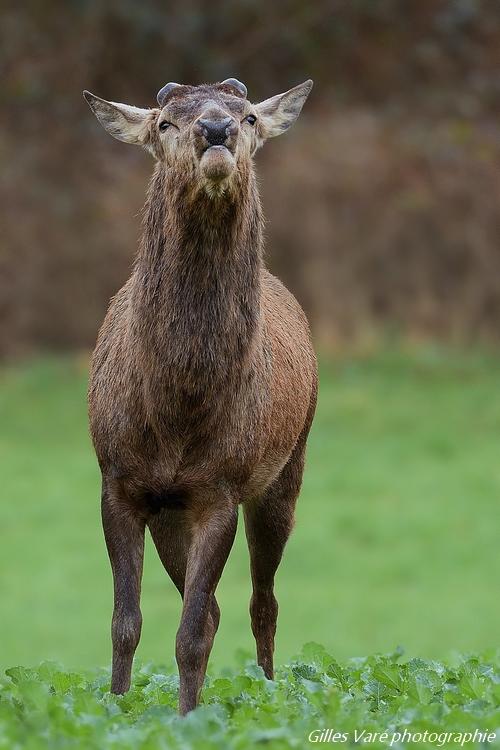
(198, 276)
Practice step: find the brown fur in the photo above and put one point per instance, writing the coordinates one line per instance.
(203, 387)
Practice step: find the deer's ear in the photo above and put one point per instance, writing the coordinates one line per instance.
(277, 114)
(122, 121)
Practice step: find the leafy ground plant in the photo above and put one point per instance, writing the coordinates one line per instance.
(366, 702)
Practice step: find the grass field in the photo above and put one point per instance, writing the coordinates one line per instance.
(397, 535)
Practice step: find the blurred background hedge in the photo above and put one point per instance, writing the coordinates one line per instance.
(382, 203)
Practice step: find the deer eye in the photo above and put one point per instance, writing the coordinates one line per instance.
(164, 125)
(251, 119)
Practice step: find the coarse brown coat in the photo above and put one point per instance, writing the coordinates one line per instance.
(203, 382)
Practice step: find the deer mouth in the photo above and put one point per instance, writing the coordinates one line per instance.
(217, 163)
(218, 147)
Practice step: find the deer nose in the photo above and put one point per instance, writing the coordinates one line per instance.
(217, 132)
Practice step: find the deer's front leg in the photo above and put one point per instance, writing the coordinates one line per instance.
(213, 531)
(124, 534)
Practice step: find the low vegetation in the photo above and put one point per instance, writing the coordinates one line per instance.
(378, 701)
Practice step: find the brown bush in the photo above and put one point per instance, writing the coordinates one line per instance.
(382, 203)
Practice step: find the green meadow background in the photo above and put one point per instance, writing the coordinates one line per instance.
(397, 532)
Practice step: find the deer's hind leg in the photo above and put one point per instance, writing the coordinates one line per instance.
(171, 536)
(268, 524)
(124, 535)
(193, 545)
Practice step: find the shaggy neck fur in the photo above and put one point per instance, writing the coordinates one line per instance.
(197, 279)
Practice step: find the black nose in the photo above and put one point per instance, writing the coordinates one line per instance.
(216, 131)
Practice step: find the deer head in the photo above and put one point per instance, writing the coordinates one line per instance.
(206, 133)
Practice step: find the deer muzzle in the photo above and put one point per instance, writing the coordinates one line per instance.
(216, 140)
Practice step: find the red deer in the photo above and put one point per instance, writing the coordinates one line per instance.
(203, 380)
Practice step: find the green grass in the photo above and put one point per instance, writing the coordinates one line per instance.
(376, 701)
(397, 528)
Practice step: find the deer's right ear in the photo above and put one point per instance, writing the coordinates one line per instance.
(122, 121)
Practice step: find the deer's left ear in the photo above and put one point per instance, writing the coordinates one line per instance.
(277, 114)
(122, 121)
